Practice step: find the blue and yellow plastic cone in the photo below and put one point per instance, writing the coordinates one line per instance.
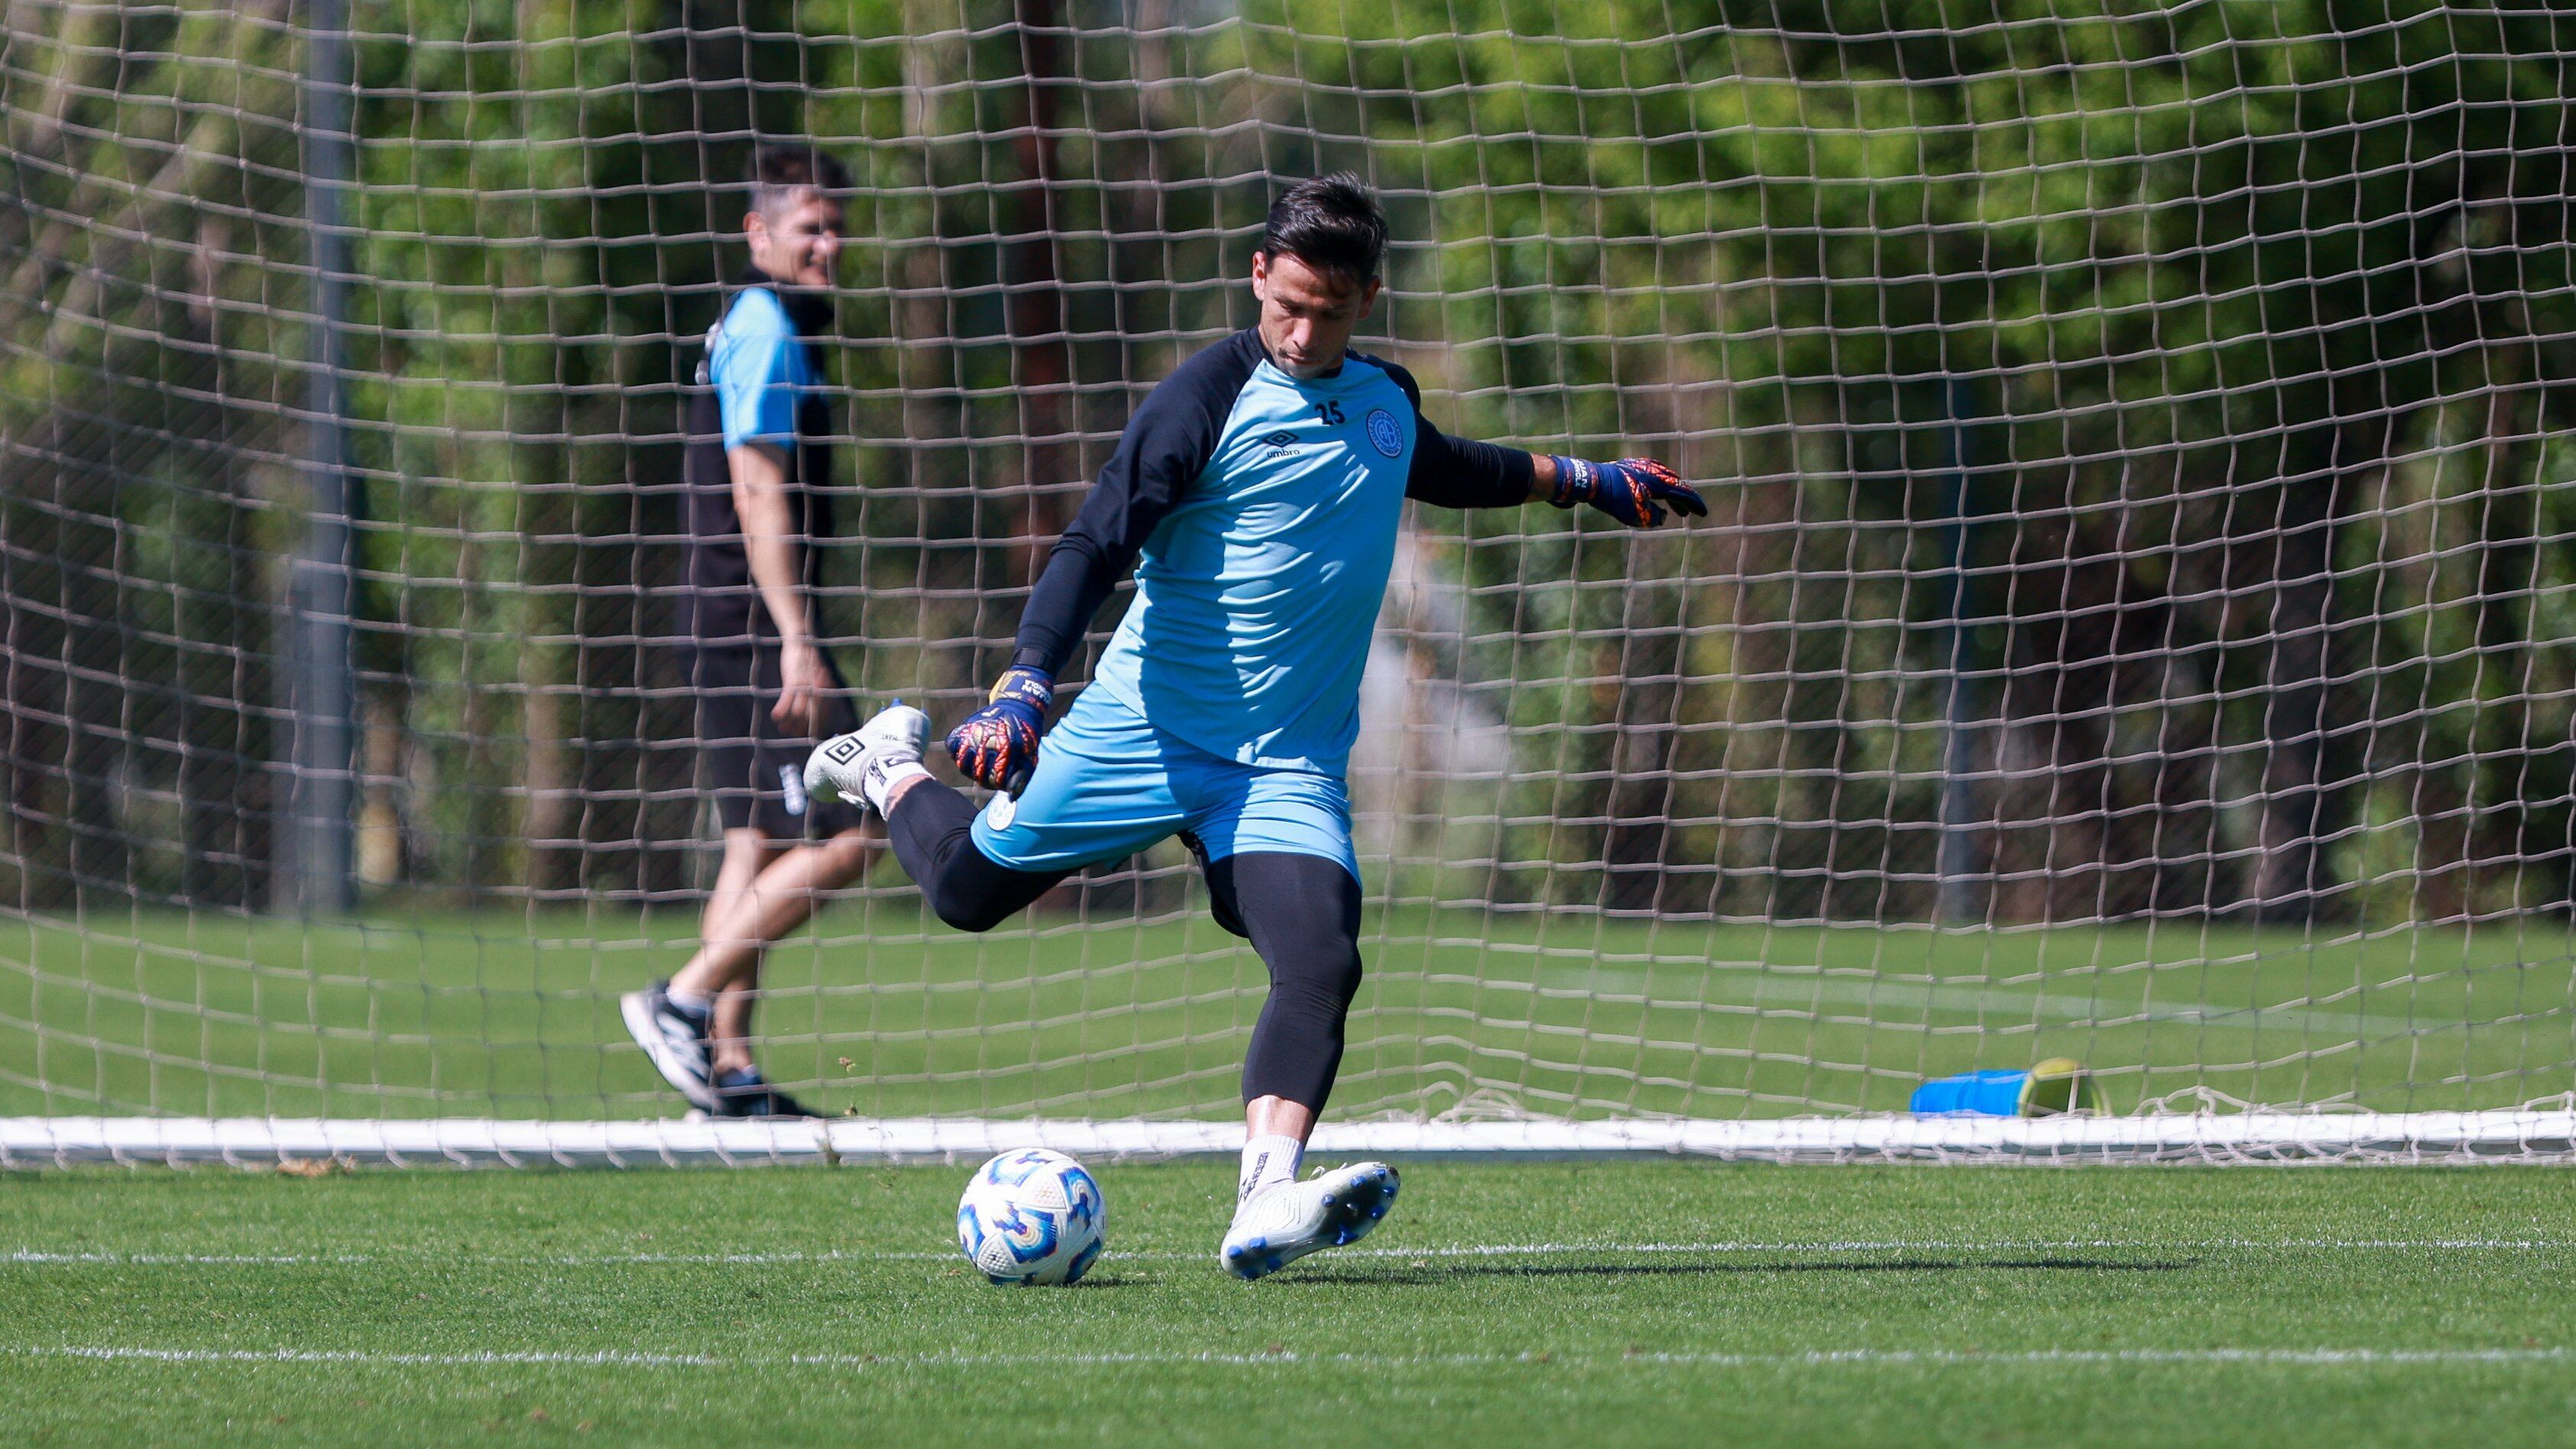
(2054, 1087)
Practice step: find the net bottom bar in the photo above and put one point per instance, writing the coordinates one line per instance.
(2529, 1135)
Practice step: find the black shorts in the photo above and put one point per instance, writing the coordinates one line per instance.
(746, 760)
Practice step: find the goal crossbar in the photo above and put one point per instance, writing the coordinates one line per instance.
(2514, 1135)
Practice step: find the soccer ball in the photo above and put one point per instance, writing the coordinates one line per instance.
(1031, 1216)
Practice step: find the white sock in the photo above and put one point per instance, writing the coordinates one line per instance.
(694, 1000)
(880, 780)
(1267, 1162)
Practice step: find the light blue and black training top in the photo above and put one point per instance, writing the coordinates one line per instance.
(760, 382)
(1259, 512)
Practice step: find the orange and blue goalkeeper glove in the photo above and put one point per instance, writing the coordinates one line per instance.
(1635, 491)
(997, 746)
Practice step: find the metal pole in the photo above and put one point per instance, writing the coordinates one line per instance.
(323, 691)
(1964, 877)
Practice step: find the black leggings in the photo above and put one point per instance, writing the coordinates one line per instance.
(1301, 912)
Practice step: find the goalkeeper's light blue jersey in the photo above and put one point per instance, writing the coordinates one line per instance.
(1259, 512)
(1257, 596)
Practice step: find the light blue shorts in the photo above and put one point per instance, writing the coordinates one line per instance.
(1108, 785)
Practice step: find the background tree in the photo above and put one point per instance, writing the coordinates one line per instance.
(2250, 322)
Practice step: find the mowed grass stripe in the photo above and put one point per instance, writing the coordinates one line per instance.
(1289, 1358)
(2012, 1002)
(513, 1014)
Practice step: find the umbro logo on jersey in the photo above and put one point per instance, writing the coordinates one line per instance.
(1280, 442)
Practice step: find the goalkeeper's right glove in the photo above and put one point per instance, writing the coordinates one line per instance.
(1635, 491)
(997, 746)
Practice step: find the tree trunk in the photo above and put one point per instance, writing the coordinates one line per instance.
(1041, 369)
(2291, 882)
(1640, 806)
(2500, 745)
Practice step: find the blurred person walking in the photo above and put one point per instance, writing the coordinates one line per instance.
(758, 468)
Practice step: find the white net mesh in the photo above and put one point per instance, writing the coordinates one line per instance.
(2137, 623)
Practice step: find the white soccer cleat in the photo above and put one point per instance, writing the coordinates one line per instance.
(839, 767)
(1293, 1219)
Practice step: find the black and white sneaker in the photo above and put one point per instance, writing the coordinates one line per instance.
(744, 1092)
(674, 1035)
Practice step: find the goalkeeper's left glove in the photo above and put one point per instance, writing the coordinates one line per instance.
(1635, 491)
(997, 746)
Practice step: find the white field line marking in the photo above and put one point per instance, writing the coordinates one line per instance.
(31, 1257)
(1859, 1358)
(1991, 1001)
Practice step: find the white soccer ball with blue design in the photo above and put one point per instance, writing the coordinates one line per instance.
(1031, 1216)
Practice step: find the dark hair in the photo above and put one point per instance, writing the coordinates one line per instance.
(778, 170)
(1332, 223)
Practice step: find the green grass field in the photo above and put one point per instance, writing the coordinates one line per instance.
(513, 1014)
(1625, 1301)
(1629, 1301)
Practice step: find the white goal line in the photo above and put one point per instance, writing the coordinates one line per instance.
(79, 1258)
(2504, 1135)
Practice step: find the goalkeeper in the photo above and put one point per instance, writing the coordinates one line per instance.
(1256, 493)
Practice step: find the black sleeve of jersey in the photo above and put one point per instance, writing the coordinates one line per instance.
(1459, 472)
(1167, 444)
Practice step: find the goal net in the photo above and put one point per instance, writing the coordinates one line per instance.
(2136, 623)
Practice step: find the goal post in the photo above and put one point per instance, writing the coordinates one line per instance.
(2133, 623)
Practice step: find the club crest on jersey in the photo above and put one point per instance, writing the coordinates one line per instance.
(1384, 432)
(1002, 812)
(1280, 442)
